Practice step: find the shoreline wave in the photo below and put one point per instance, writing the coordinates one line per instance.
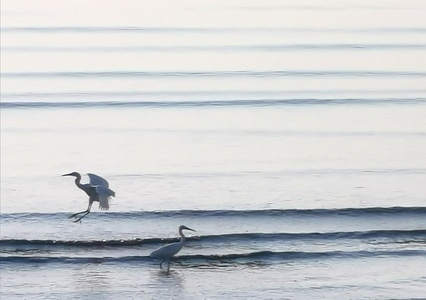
(317, 212)
(213, 74)
(212, 103)
(114, 243)
(251, 257)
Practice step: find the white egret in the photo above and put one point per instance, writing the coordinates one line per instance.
(166, 252)
(98, 190)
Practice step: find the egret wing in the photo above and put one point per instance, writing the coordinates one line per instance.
(97, 180)
(104, 195)
(167, 251)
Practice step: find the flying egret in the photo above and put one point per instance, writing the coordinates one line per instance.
(97, 189)
(166, 252)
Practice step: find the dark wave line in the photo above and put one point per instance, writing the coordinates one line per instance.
(351, 212)
(214, 103)
(268, 256)
(222, 92)
(213, 74)
(271, 255)
(412, 234)
(167, 30)
(361, 235)
(239, 48)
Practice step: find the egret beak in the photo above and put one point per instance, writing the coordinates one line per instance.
(187, 228)
(69, 174)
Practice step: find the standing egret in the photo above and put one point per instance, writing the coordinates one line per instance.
(166, 252)
(97, 190)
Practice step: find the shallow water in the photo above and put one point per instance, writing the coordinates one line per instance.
(290, 135)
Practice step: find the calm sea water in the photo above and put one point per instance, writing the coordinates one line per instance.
(290, 134)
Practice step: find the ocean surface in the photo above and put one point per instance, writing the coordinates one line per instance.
(291, 135)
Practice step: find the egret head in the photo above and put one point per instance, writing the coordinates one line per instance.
(183, 227)
(75, 174)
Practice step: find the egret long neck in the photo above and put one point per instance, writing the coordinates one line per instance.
(78, 181)
(182, 237)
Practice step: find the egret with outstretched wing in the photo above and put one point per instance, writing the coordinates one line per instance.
(97, 190)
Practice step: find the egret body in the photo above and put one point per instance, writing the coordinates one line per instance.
(166, 252)
(97, 190)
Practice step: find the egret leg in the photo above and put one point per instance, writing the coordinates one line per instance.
(75, 221)
(168, 266)
(85, 213)
(76, 214)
